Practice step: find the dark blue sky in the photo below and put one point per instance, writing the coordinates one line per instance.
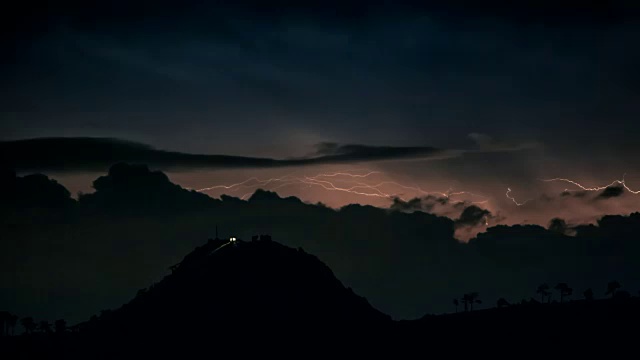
(553, 85)
(246, 78)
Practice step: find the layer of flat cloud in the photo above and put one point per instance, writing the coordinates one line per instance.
(487, 143)
(78, 154)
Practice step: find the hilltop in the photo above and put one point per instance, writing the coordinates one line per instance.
(236, 291)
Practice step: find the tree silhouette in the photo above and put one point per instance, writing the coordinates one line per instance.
(469, 299)
(28, 324)
(44, 326)
(60, 326)
(502, 302)
(612, 287)
(564, 290)
(4, 321)
(474, 298)
(456, 303)
(543, 290)
(465, 301)
(588, 294)
(13, 321)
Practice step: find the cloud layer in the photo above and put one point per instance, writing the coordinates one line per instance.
(77, 154)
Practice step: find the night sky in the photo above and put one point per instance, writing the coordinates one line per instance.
(432, 106)
(555, 84)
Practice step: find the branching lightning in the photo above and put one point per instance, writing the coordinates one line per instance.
(348, 174)
(596, 188)
(353, 183)
(514, 200)
(344, 181)
(240, 184)
(580, 187)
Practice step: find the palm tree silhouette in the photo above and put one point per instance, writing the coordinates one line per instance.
(465, 300)
(13, 320)
(543, 290)
(28, 324)
(4, 323)
(564, 290)
(588, 294)
(469, 299)
(456, 303)
(612, 287)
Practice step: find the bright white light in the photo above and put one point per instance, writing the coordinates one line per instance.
(232, 239)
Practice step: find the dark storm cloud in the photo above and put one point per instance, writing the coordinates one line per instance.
(581, 196)
(406, 264)
(473, 216)
(611, 192)
(577, 194)
(329, 151)
(558, 225)
(468, 218)
(426, 203)
(74, 154)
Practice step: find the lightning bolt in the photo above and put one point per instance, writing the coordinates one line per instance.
(353, 184)
(514, 200)
(228, 187)
(349, 175)
(596, 188)
(621, 182)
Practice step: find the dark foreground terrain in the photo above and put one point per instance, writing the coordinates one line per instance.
(235, 298)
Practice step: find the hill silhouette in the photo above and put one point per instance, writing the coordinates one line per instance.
(529, 329)
(262, 298)
(259, 291)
